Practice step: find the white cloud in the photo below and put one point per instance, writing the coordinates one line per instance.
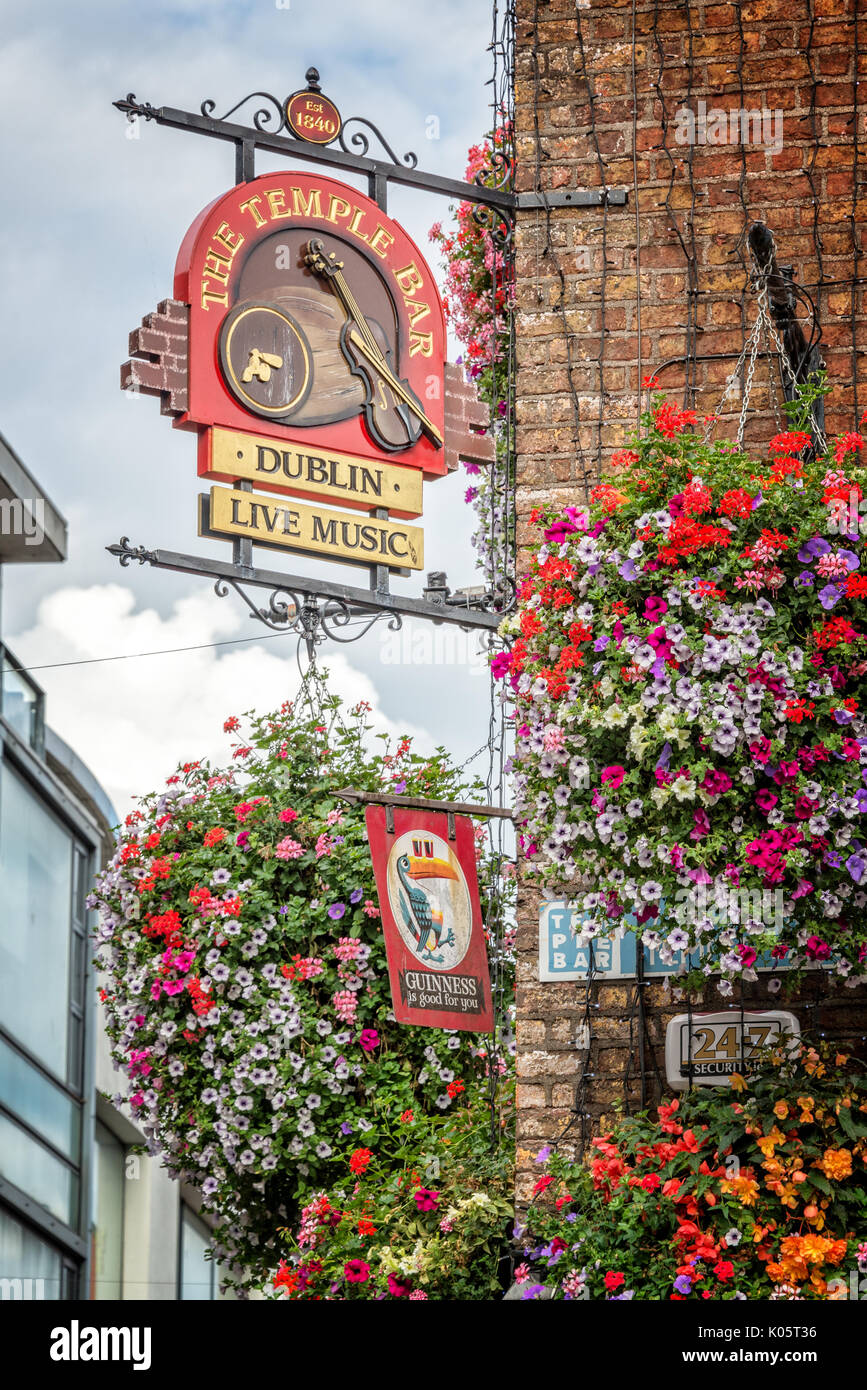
(132, 721)
(98, 218)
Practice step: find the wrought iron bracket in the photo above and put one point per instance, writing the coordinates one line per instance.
(311, 608)
(316, 609)
(420, 803)
(267, 133)
(572, 198)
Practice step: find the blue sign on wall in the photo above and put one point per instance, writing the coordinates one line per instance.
(561, 957)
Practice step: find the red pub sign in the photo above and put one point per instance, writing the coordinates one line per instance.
(314, 313)
(431, 918)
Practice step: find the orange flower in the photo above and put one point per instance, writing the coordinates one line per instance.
(781, 1110)
(768, 1142)
(746, 1189)
(836, 1164)
(738, 1083)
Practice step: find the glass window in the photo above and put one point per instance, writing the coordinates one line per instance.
(197, 1277)
(36, 873)
(41, 1104)
(107, 1263)
(22, 704)
(44, 1177)
(29, 1266)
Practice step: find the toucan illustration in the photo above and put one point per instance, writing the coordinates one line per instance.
(425, 922)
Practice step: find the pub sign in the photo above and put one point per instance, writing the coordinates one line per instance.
(431, 919)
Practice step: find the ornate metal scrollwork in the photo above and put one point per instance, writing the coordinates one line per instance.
(361, 143)
(498, 224)
(312, 617)
(133, 108)
(126, 553)
(268, 121)
(271, 119)
(498, 173)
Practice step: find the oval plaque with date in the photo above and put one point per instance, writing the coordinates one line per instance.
(312, 117)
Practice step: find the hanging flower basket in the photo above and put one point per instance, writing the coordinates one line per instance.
(244, 974)
(689, 667)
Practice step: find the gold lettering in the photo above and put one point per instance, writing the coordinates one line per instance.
(353, 226)
(306, 208)
(420, 343)
(416, 309)
(239, 455)
(334, 204)
(409, 280)
(276, 203)
(233, 241)
(252, 206)
(211, 296)
(317, 529)
(217, 266)
(381, 237)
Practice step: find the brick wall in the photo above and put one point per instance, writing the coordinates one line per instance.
(582, 288)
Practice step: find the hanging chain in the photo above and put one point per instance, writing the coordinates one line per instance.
(764, 334)
(754, 343)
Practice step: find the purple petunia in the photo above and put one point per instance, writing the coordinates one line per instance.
(830, 595)
(813, 549)
(665, 756)
(336, 911)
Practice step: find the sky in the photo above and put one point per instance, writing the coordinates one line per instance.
(95, 211)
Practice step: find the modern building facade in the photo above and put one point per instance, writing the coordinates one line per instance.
(84, 1214)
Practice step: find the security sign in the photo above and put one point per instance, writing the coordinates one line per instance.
(707, 1049)
(431, 917)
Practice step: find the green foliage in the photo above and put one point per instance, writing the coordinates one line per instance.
(752, 1192)
(244, 971)
(424, 1213)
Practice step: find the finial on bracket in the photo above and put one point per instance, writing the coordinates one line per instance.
(311, 77)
